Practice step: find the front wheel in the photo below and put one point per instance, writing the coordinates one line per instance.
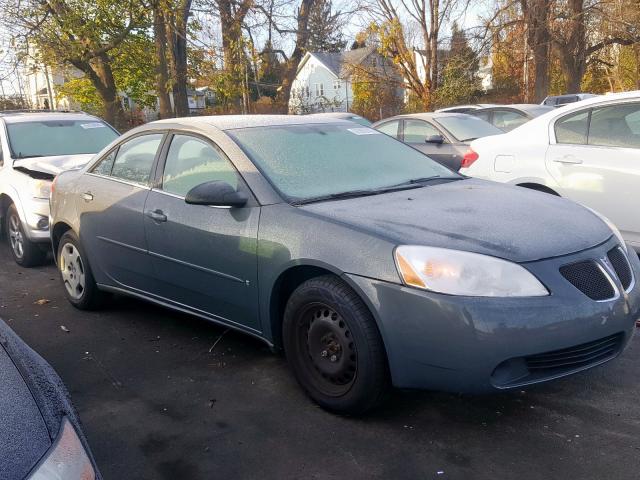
(334, 347)
(77, 279)
(25, 252)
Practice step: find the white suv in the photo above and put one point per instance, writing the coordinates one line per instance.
(34, 148)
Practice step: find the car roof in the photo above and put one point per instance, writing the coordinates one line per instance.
(334, 115)
(425, 116)
(30, 116)
(229, 122)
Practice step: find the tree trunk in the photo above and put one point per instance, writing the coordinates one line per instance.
(177, 34)
(291, 66)
(571, 46)
(162, 70)
(536, 17)
(101, 76)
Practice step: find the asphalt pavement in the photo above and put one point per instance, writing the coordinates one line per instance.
(163, 395)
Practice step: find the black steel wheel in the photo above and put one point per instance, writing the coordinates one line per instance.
(334, 347)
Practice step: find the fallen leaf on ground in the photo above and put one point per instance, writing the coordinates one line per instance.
(42, 301)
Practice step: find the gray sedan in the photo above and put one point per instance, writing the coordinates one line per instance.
(368, 263)
(444, 137)
(508, 117)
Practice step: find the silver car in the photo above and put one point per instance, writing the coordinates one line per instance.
(34, 148)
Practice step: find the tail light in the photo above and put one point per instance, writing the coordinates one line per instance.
(53, 184)
(469, 157)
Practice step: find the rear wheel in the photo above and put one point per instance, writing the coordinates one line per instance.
(334, 348)
(25, 252)
(77, 279)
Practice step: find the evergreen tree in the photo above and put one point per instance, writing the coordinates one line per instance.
(325, 28)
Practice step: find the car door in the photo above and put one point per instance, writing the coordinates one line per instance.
(111, 202)
(416, 133)
(203, 257)
(595, 159)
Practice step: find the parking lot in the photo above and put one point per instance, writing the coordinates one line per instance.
(164, 396)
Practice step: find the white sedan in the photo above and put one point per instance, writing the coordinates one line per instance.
(587, 151)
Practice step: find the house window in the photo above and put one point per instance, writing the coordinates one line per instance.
(337, 84)
(319, 89)
(306, 91)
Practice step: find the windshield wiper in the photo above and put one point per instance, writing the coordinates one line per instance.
(336, 196)
(363, 193)
(22, 157)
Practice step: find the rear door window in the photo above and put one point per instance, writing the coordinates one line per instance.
(135, 158)
(417, 131)
(572, 129)
(390, 128)
(507, 120)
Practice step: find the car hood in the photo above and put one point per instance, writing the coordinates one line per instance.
(24, 437)
(513, 223)
(54, 165)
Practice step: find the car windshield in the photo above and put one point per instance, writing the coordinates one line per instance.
(44, 138)
(466, 127)
(312, 161)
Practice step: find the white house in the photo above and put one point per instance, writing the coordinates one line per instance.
(323, 80)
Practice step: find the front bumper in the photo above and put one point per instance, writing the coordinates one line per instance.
(36, 219)
(454, 343)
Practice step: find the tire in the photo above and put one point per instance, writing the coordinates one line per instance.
(25, 252)
(77, 279)
(334, 348)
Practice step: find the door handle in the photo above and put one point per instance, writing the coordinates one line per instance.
(87, 196)
(568, 159)
(157, 216)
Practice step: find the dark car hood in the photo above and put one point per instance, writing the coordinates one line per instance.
(513, 223)
(24, 437)
(54, 165)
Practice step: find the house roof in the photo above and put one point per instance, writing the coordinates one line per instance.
(338, 62)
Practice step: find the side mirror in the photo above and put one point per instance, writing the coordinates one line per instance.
(216, 194)
(439, 139)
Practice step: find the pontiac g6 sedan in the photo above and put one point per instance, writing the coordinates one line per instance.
(368, 263)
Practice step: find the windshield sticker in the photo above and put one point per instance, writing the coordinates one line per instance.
(87, 126)
(364, 131)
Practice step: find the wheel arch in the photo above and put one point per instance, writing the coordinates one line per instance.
(538, 187)
(291, 277)
(57, 231)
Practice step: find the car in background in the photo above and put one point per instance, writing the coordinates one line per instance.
(370, 264)
(343, 116)
(508, 117)
(560, 100)
(588, 152)
(464, 108)
(40, 434)
(444, 137)
(35, 146)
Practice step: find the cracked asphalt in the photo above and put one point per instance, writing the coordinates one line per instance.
(163, 395)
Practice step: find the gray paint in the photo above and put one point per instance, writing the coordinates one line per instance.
(23, 434)
(206, 251)
(44, 388)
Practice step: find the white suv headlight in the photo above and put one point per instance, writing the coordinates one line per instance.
(456, 272)
(41, 189)
(66, 459)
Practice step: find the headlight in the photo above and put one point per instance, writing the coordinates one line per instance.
(66, 459)
(456, 272)
(613, 228)
(41, 189)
